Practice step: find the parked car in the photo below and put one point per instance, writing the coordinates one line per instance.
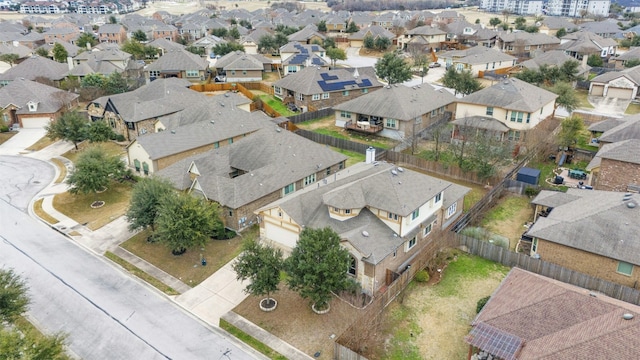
(434, 65)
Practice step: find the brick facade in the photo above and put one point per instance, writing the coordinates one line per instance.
(616, 175)
(335, 98)
(586, 262)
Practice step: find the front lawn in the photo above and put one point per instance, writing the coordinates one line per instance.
(4, 136)
(109, 147)
(78, 207)
(41, 144)
(632, 109)
(582, 97)
(188, 267)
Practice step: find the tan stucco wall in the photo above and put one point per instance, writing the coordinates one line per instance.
(504, 115)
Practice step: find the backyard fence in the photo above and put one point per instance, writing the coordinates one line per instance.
(590, 118)
(340, 143)
(310, 115)
(509, 258)
(258, 86)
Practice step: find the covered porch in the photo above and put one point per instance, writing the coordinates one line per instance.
(368, 124)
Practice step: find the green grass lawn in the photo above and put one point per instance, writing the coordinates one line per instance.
(632, 109)
(6, 136)
(505, 209)
(376, 141)
(41, 144)
(277, 105)
(141, 274)
(582, 97)
(187, 267)
(354, 157)
(109, 147)
(249, 340)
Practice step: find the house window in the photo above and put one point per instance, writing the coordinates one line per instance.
(300, 96)
(345, 93)
(315, 97)
(528, 47)
(391, 123)
(230, 141)
(328, 171)
(136, 164)
(230, 212)
(528, 117)
(392, 216)
(625, 268)
(347, 211)
(325, 96)
(427, 230)
(277, 90)
(345, 114)
(438, 197)
(292, 68)
(341, 166)
(517, 116)
(452, 210)
(534, 245)
(489, 110)
(216, 144)
(411, 243)
(415, 214)
(192, 73)
(542, 108)
(419, 120)
(352, 266)
(364, 91)
(289, 188)
(244, 72)
(310, 179)
(434, 112)
(514, 135)
(154, 73)
(130, 125)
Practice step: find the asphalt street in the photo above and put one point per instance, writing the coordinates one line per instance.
(106, 313)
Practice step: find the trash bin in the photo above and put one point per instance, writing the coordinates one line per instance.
(558, 180)
(204, 262)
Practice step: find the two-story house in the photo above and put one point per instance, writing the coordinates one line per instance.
(178, 63)
(478, 59)
(384, 215)
(112, 33)
(422, 38)
(522, 43)
(296, 56)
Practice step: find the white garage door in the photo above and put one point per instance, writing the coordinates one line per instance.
(620, 93)
(280, 235)
(597, 90)
(35, 123)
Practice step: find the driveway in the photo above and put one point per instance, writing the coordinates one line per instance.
(355, 60)
(22, 140)
(608, 106)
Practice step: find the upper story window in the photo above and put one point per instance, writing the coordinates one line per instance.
(415, 214)
(452, 210)
(315, 97)
(325, 96)
(289, 188)
(438, 197)
(489, 110)
(192, 73)
(310, 179)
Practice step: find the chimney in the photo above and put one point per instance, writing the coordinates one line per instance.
(370, 155)
(70, 62)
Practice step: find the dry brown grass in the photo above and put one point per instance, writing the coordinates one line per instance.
(187, 267)
(78, 207)
(41, 144)
(294, 322)
(61, 168)
(6, 136)
(37, 209)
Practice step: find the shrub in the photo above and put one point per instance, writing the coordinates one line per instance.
(422, 276)
(531, 191)
(4, 128)
(481, 303)
(120, 137)
(499, 240)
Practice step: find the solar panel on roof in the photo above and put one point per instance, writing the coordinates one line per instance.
(298, 59)
(327, 77)
(336, 85)
(317, 61)
(365, 82)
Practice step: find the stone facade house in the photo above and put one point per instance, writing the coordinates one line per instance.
(254, 171)
(241, 67)
(178, 63)
(375, 31)
(316, 88)
(478, 59)
(591, 231)
(617, 84)
(398, 112)
(112, 33)
(616, 167)
(384, 215)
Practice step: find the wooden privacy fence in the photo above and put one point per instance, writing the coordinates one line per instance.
(340, 143)
(258, 86)
(310, 115)
(509, 258)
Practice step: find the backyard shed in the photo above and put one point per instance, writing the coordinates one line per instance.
(528, 175)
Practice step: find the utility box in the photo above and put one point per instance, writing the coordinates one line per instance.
(528, 175)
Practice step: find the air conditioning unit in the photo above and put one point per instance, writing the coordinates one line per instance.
(304, 109)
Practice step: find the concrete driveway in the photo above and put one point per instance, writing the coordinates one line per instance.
(22, 140)
(355, 60)
(608, 106)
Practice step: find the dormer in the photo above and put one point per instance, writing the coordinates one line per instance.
(32, 106)
(342, 214)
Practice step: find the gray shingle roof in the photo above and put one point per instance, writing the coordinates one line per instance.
(629, 129)
(625, 151)
(20, 50)
(632, 74)
(425, 30)
(633, 53)
(481, 122)
(270, 161)
(37, 66)
(375, 31)
(477, 55)
(596, 221)
(238, 60)
(20, 91)
(178, 60)
(512, 94)
(585, 42)
(550, 58)
(525, 38)
(399, 102)
(308, 81)
(604, 125)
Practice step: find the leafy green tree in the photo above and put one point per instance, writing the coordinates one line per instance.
(336, 54)
(261, 264)
(266, 44)
(150, 52)
(133, 47)
(420, 62)
(352, 28)
(632, 63)
(570, 130)
(368, 42)
(146, 197)
(280, 40)
(16, 345)
(71, 126)
(225, 48)
(195, 50)
(234, 33)
(220, 32)
(13, 296)
(317, 266)
(139, 36)
(100, 131)
(115, 84)
(93, 80)
(41, 51)
(328, 42)
(286, 30)
(246, 24)
(520, 23)
(567, 97)
(59, 53)
(392, 68)
(462, 82)
(184, 222)
(10, 58)
(532, 29)
(531, 76)
(94, 170)
(595, 60)
(86, 38)
(382, 43)
(477, 21)
(322, 26)
(112, 20)
(494, 22)
(561, 32)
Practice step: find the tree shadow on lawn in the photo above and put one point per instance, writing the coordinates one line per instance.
(294, 322)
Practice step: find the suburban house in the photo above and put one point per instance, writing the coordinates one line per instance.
(36, 67)
(422, 38)
(463, 32)
(178, 63)
(530, 316)
(374, 31)
(251, 40)
(631, 55)
(316, 88)
(384, 215)
(34, 105)
(617, 129)
(207, 43)
(511, 107)
(581, 44)
(136, 112)
(237, 66)
(553, 58)
(254, 171)
(522, 43)
(296, 56)
(591, 231)
(165, 46)
(308, 35)
(112, 33)
(551, 24)
(617, 84)
(478, 59)
(103, 62)
(152, 152)
(56, 34)
(616, 167)
(397, 112)
(165, 31)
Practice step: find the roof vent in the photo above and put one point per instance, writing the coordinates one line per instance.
(173, 131)
(394, 173)
(226, 95)
(278, 129)
(400, 169)
(212, 122)
(631, 205)
(627, 316)
(365, 233)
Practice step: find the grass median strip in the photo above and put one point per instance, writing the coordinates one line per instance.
(62, 168)
(251, 341)
(37, 208)
(141, 274)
